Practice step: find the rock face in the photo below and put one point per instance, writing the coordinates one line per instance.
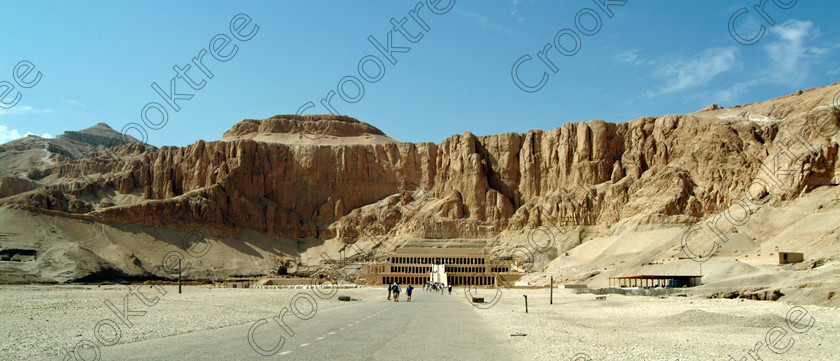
(325, 124)
(674, 169)
(11, 186)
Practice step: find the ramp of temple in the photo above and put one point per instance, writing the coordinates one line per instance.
(456, 266)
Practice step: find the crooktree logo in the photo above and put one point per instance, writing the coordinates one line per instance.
(24, 78)
(540, 240)
(567, 42)
(778, 339)
(824, 122)
(323, 285)
(744, 37)
(194, 73)
(371, 68)
(109, 330)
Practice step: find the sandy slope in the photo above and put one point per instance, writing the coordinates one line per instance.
(69, 248)
(808, 224)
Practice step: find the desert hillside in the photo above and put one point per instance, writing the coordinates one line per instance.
(606, 198)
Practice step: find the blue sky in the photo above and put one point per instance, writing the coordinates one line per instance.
(98, 60)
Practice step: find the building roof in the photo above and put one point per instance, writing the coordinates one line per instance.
(658, 277)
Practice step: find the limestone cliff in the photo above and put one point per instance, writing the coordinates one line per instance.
(326, 176)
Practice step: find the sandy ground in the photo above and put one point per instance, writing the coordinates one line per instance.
(652, 328)
(40, 321)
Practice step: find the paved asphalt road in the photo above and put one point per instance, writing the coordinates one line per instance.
(431, 326)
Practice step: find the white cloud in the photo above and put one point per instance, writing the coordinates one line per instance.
(24, 109)
(629, 56)
(731, 94)
(517, 2)
(791, 57)
(734, 93)
(790, 60)
(7, 134)
(74, 102)
(21, 109)
(45, 135)
(681, 75)
(516, 5)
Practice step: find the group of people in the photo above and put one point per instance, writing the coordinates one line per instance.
(394, 290)
(438, 286)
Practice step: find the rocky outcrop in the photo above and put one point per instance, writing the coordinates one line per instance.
(12, 185)
(319, 124)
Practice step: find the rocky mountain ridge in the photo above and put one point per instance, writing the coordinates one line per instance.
(674, 169)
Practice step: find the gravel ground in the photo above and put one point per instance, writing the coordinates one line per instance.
(40, 321)
(651, 328)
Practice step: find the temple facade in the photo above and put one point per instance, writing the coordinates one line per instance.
(455, 266)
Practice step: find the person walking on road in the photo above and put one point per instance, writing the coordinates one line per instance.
(408, 292)
(450, 288)
(390, 289)
(396, 292)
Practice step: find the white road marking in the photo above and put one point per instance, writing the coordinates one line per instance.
(332, 333)
(285, 352)
(319, 338)
(304, 345)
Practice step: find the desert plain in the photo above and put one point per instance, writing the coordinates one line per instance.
(47, 322)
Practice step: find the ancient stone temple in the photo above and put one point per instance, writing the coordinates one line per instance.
(455, 266)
